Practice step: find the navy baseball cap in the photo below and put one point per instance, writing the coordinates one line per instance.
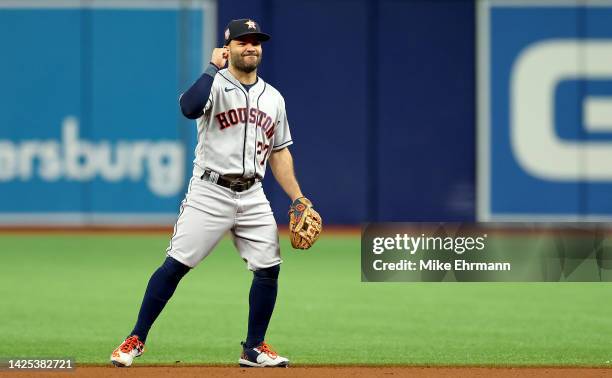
(244, 26)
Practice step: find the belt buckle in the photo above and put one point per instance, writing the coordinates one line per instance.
(238, 186)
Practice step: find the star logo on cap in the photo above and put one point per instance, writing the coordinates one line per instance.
(251, 24)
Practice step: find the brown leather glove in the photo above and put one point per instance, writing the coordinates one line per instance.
(305, 224)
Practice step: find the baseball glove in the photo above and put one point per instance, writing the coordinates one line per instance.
(305, 224)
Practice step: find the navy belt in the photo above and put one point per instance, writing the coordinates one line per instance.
(235, 184)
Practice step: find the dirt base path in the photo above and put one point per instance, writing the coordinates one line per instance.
(311, 372)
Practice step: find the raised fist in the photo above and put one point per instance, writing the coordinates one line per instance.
(219, 56)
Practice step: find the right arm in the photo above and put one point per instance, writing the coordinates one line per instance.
(195, 98)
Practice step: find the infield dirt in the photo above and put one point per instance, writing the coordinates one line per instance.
(311, 372)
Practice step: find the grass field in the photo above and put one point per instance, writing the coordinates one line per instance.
(78, 295)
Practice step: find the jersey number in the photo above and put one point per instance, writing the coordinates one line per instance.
(263, 149)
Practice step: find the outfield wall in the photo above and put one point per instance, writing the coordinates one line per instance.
(381, 98)
(89, 127)
(91, 131)
(385, 90)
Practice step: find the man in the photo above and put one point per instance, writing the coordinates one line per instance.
(242, 125)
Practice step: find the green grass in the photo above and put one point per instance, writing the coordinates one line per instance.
(78, 295)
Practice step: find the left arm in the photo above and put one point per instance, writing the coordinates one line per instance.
(281, 163)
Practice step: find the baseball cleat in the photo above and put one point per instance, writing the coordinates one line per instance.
(261, 356)
(125, 353)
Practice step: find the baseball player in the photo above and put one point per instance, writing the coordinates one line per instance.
(242, 125)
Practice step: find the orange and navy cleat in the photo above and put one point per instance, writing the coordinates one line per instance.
(125, 353)
(261, 356)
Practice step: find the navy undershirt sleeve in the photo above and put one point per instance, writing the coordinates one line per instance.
(195, 98)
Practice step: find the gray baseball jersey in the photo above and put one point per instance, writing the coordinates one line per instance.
(236, 134)
(240, 128)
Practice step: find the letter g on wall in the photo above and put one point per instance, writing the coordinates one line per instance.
(535, 76)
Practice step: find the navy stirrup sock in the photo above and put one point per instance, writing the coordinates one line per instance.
(159, 290)
(262, 298)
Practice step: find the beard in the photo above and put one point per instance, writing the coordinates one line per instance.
(241, 64)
